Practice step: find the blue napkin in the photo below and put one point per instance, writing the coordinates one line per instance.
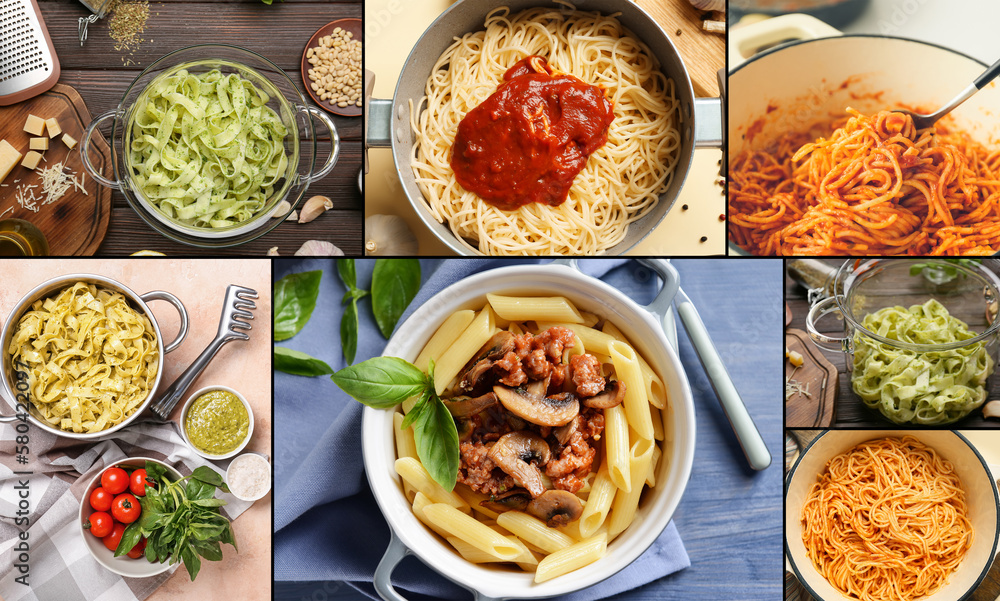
(327, 523)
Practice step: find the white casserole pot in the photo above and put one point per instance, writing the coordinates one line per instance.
(822, 72)
(647, 327)
(971, 468)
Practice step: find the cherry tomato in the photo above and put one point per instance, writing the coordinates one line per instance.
(114, 480)
(111, 541)
(101, 499)
(100, 524)
(125, 508)
(138, 482)
(138, 549)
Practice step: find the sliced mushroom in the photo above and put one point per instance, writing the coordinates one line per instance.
(538, 387)
(556, 507)
(495, 348)
(612, 396)
(563, 433)
(512, 453)
(463, 406)
(554, 410)
(513, 500)
(465, 429)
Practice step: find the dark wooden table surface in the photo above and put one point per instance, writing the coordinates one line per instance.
(278, 32)
(849, 410)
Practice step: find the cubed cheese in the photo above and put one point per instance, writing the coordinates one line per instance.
(31, 159)
(69, 140)
(39, 144)
(53, 127)
(34, 125)
(9, 158)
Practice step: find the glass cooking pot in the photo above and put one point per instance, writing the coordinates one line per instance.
(920, 336)
(286, 101)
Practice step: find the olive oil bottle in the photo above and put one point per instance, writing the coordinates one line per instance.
(20, 238)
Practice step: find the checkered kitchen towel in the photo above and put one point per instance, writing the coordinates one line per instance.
(60, 568)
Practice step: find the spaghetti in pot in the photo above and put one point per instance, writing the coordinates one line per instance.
(887, 521)
(876, 185)
(622, 180)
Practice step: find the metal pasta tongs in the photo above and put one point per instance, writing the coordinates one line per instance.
(236, 308)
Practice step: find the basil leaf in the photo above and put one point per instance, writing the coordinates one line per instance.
(191, 561)
(208, 502)
(294, 301)
(394, 284)
(208, 475)
(345, 268)
(436, 436)
(415, 411)
(196, 490)
(349, 332)
(130, 538)
(210, 550)
(298, 363)
(354, 294)
(228, 537)
(155, 471)
(380, 382)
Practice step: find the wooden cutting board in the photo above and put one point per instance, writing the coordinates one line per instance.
(818, 376)
(703, 53)
(76, 223)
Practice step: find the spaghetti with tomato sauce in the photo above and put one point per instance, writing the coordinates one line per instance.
(528, 141)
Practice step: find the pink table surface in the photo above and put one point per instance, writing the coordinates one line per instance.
(245, 366)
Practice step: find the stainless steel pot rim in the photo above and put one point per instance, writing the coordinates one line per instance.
(847, 275)
(982, 461)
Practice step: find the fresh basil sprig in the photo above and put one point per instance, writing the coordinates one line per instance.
(394, 284)
(384, 382)
(180, 519)
(294, 301)
(349, 321)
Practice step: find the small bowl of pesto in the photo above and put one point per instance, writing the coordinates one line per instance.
(217, 422)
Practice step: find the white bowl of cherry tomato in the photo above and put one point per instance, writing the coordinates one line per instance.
(110, 504)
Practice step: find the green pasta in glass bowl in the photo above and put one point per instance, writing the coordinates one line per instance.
(908, 385)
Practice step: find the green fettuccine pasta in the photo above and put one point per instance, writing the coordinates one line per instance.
(920, 387)
(205, 148)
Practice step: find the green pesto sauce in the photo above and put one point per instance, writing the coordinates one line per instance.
(217, 422)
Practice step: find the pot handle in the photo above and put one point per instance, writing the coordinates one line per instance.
(85, 149)
(313, 112)
(819, 311)
(747, 40)
(176, 302)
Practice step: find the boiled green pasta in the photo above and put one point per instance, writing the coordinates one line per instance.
(935, 387)
(206, 149)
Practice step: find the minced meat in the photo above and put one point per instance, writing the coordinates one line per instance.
(479, 472)
(587, 378)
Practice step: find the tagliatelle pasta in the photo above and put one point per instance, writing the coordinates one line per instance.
(91, 358)
(206, 149)
(934, 387)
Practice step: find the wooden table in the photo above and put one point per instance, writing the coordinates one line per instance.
(849, 410)
(279, 32)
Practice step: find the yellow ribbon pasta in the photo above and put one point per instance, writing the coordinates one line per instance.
(206, 149)
(91, 358)
(936, 387)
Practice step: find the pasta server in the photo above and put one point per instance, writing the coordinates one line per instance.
(732, 403)
(235, 310)
(921, 121)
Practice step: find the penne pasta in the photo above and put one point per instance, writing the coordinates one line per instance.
(625, 503)
(474, 499)
(657, 421)
(472, 531)
(523, 308)
(412, 472)
(571, 558)
(654, 464)
(636, 405)
(444, 338)
(598, 504)
(465, 347)
(534, 531)
(420, 501)
(405, 445)
(589, 319)
(656, 392)
(595, 340)
(616, 446)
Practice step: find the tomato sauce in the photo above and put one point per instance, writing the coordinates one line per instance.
(529, 140)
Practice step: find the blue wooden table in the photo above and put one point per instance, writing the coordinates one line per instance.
(730, 516)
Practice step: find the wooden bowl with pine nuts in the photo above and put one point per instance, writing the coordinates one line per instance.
(331, 67)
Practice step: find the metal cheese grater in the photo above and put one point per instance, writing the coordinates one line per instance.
(28, 62)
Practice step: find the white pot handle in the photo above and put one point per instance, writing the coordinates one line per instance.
(747, 40)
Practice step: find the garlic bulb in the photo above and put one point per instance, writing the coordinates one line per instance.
(319, 248)
(388, 235)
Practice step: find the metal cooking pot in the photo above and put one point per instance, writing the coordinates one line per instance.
(16, 396)
(389, 120)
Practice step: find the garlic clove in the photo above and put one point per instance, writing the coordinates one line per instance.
(314, 207)
(388, 235)
(319, 248)
(273, 251)
(282, 210)
(991, 409)
(292, 216)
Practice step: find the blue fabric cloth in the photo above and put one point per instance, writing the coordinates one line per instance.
(327, 524)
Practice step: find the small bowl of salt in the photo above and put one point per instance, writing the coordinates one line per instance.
(249, 476)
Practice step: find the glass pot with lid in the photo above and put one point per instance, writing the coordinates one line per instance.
(920, 336)
(301, 145)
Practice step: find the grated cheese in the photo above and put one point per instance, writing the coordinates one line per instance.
(793, 387)
(249, 476)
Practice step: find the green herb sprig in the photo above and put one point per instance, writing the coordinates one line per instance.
(383, 383)
(180, 519)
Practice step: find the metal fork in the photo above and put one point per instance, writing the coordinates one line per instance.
(236, 308)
